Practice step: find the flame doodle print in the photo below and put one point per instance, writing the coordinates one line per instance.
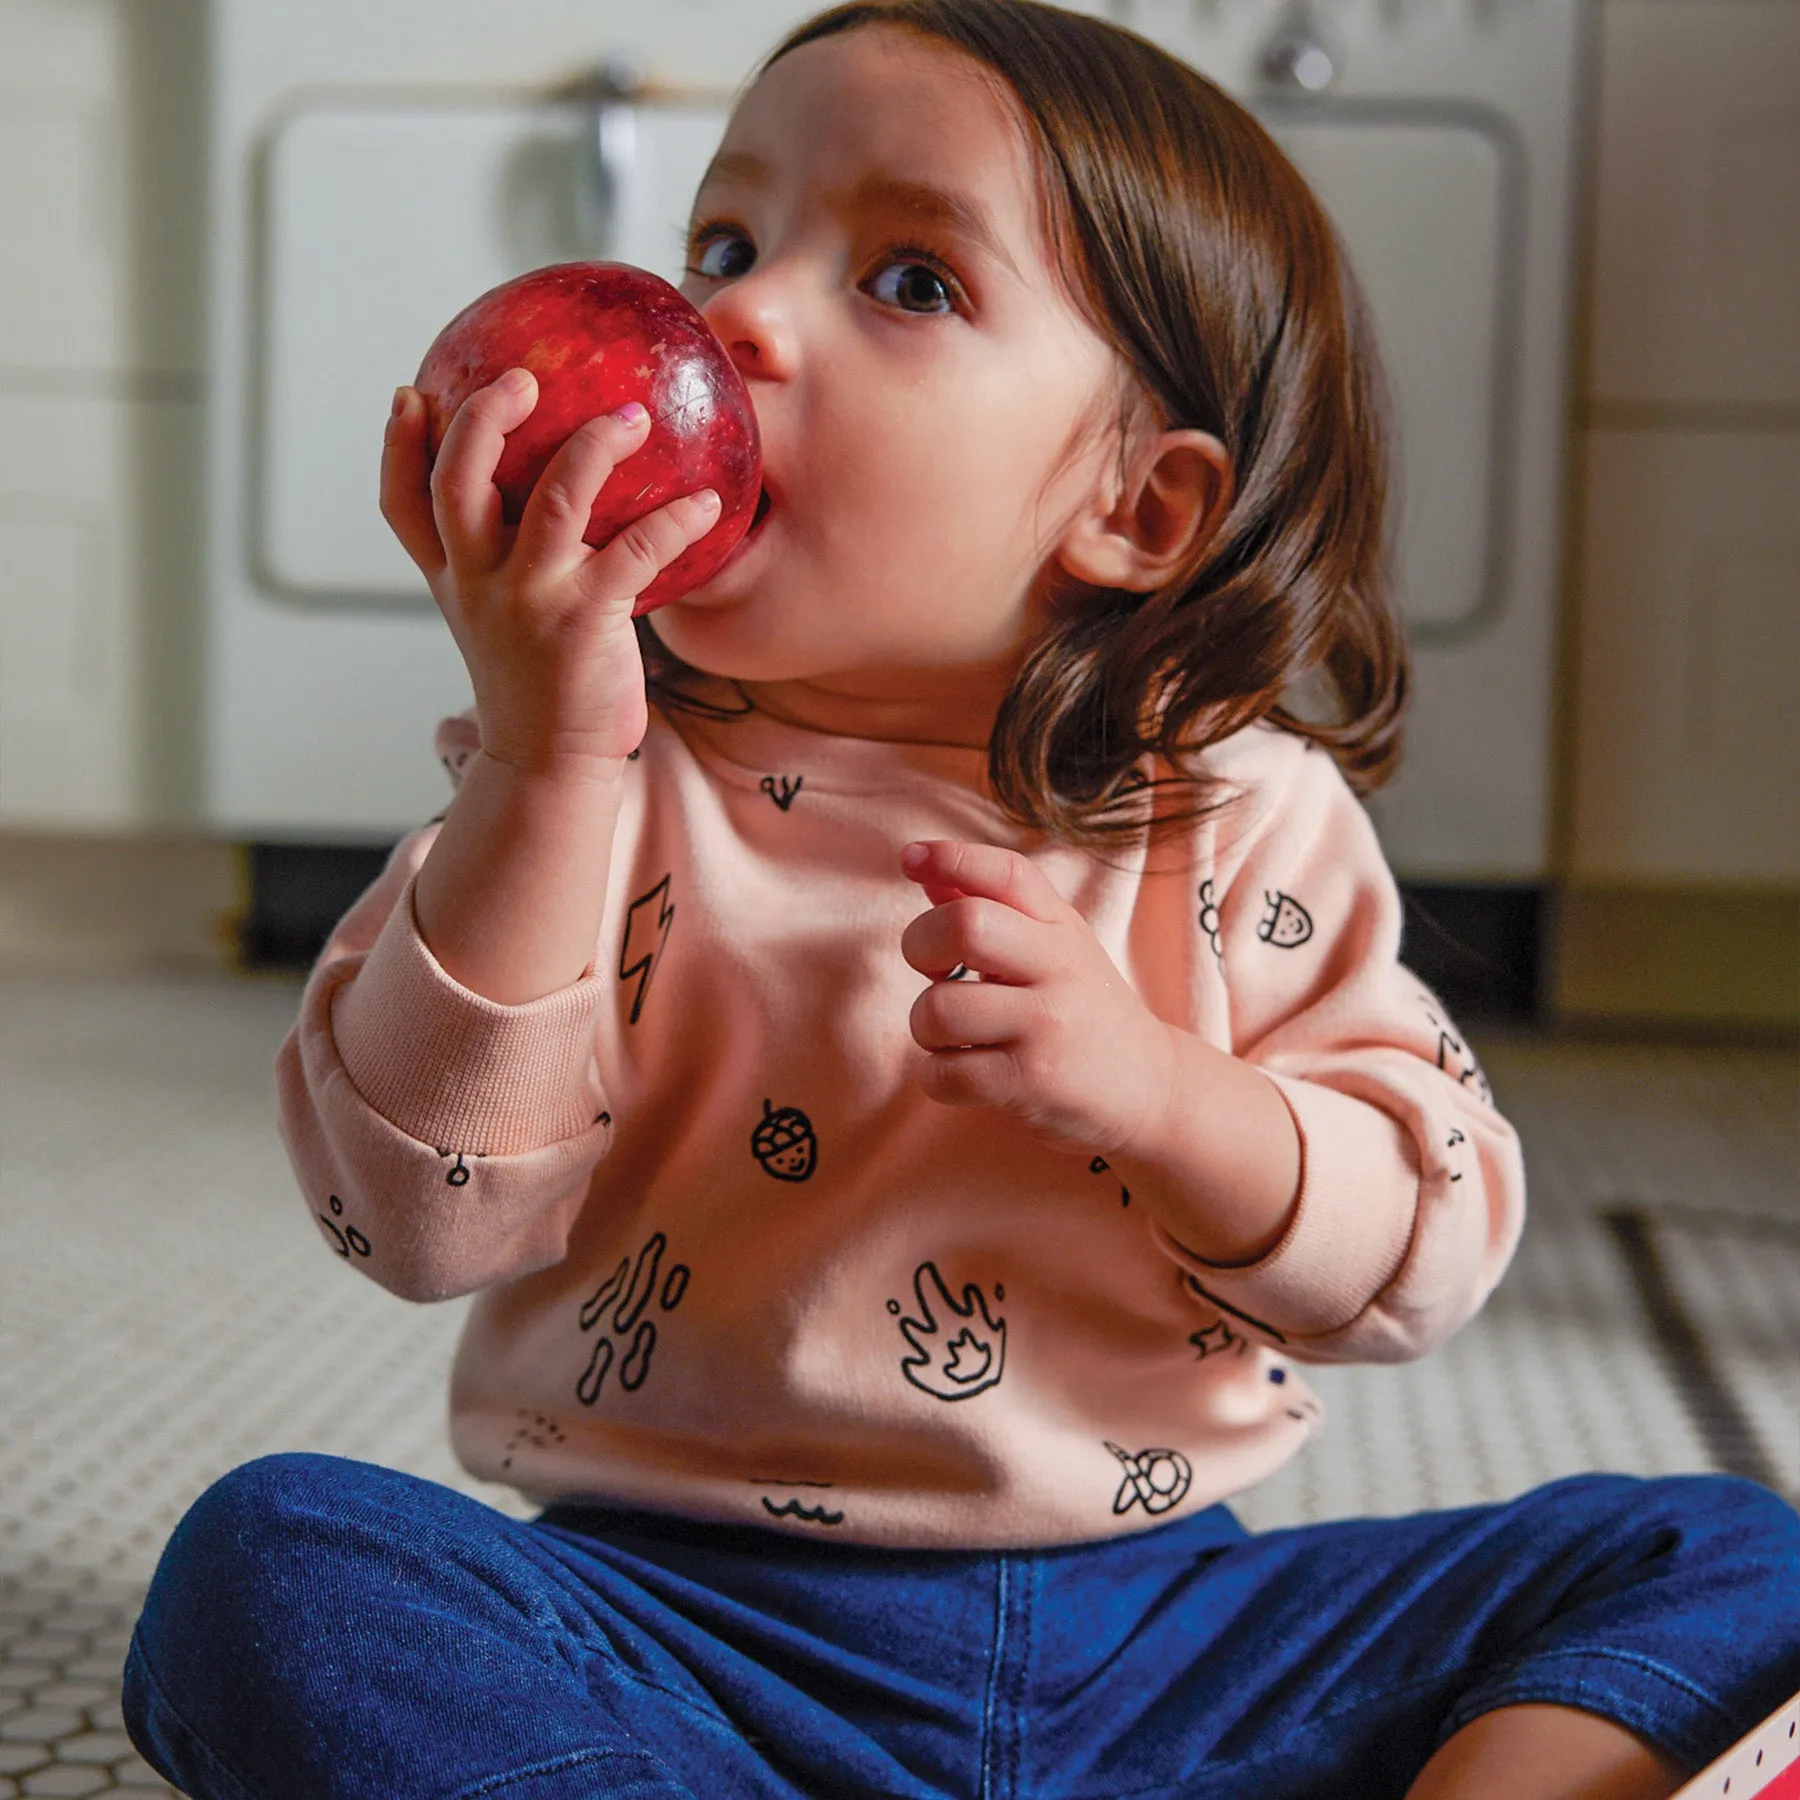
(958, 1367)
(1209, 921)
(1288, 924)
(628, 1291)
(646, 937)
(1156, 1480)
(782, 789)
(345, 1239)
(784, 1143)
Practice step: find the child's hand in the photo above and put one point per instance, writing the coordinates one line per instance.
(542, 620)
(1052, 1033)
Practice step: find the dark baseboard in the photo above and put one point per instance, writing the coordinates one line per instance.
(1477, 946)
(297, 893)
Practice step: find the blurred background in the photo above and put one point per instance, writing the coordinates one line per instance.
(229, 227)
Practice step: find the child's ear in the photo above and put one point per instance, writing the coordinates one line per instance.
(1174, 493)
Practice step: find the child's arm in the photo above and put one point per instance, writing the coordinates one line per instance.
(438, 1095)
(1340, 1182)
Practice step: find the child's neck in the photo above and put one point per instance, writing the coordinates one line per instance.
(954, 706)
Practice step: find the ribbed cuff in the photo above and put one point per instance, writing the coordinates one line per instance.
(1359, 1187)
(453, 1070)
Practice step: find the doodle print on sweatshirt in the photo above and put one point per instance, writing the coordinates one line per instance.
(459, 1173)
(1100, 1166)
(1287, 925)
(629, 1336)
(793, 1508)
(1455, 1057)
(646, 936)
(1216, 1339)
(1156, 1480)
(951, 1367)
(784, 1143)
(1209, 921)
(538, 1430)
(346, 1240)
(782, 789)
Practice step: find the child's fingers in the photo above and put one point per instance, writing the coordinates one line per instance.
(465, 502)
(997, 941)
(645, 547)
(557, 513)
(406, 483)
(987, 871)
(975, 1077)
(953, 1015)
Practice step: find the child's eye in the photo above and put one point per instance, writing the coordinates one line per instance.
(720, 253)
(913, 286)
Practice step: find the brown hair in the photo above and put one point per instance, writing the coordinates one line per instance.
(1200, 254)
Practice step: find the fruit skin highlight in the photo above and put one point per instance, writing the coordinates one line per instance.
(596, 335)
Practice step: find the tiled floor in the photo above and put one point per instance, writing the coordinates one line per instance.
(166, 1312)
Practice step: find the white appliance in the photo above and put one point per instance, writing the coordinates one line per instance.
(376, 165)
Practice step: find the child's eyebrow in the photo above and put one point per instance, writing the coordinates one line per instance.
(918, 201)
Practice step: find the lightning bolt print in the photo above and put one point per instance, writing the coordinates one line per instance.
(646, 934)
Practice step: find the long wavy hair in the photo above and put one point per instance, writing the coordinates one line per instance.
(1196, 250)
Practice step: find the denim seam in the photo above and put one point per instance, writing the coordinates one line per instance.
(1490, 1694)
(173, 1715)
(990, 1702)
(574, 1759)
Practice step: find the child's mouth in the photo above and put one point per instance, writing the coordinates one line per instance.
(762, 510)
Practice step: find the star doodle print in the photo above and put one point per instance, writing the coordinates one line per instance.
(782, 789)
(536, 1430)
(628, 1292)
(346, 1240)
(1287, 925)
(1156, 1480)
(646, 936)
(1215, 1339)
(951, 1367)
(784, 1143)
(1209, 921)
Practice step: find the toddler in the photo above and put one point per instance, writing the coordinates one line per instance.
(907, 1046)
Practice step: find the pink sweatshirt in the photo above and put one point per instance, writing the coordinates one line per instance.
(731, 1262)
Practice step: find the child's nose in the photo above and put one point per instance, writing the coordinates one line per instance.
(757, 330)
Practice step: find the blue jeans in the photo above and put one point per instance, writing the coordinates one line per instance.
(322, 1628)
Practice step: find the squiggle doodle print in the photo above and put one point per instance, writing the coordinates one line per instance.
(1455, 1057)
(782, 789)
(345, 1240)
(1156, 1480)
(632, 1286)
(958, 1367)
(646, 937)
(1099, 1166)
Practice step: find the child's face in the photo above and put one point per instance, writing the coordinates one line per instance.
(869, 250)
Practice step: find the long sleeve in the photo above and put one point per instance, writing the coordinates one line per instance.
(1412, 1188)
(442, 1142)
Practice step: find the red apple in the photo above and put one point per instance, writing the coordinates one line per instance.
(597, 334)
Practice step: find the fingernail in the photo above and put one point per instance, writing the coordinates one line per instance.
(399, 403)
(518, 380)
(631, 413)
(708, 500)
(915, 856)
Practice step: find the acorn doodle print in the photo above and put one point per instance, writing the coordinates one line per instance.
(1287, 924)
(784, 1143)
